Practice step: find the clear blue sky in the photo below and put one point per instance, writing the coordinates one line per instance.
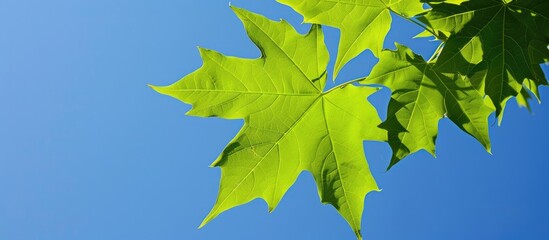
(88, 151)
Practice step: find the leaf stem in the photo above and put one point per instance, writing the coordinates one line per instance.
(416, 23)
(345, 84)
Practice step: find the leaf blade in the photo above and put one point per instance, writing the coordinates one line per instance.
(289, 122)
(421, 97)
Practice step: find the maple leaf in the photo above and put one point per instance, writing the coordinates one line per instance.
(363, 23)
(505, 40)
(421, 96)
(291, 125)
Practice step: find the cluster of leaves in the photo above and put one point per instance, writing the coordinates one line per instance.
(490, 51)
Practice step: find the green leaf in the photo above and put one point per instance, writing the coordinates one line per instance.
(363, 23)
(290, 124)
(507, 39)
(421, 96)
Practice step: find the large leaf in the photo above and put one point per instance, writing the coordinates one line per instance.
(290, 124)
(421, 96)
(363, 23)
(507, 40)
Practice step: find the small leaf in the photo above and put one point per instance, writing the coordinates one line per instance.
(363, 23)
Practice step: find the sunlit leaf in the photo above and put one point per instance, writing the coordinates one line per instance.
(291, 125)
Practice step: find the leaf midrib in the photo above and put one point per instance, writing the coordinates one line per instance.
(355, 225)
(245, 92)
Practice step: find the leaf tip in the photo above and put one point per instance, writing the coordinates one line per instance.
(236, 10)
(208, 218)
(217, 161)
(204, 51)
(489, 150)
(500, 119)
(155, 88)
(159, 89)
(394, 160)
(202, 224)
(337, 68)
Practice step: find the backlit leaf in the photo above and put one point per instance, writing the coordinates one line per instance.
(291, 125)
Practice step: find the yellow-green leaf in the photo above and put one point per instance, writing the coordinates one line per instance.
(291, 125)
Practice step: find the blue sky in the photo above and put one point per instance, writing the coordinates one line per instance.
(88, 151)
